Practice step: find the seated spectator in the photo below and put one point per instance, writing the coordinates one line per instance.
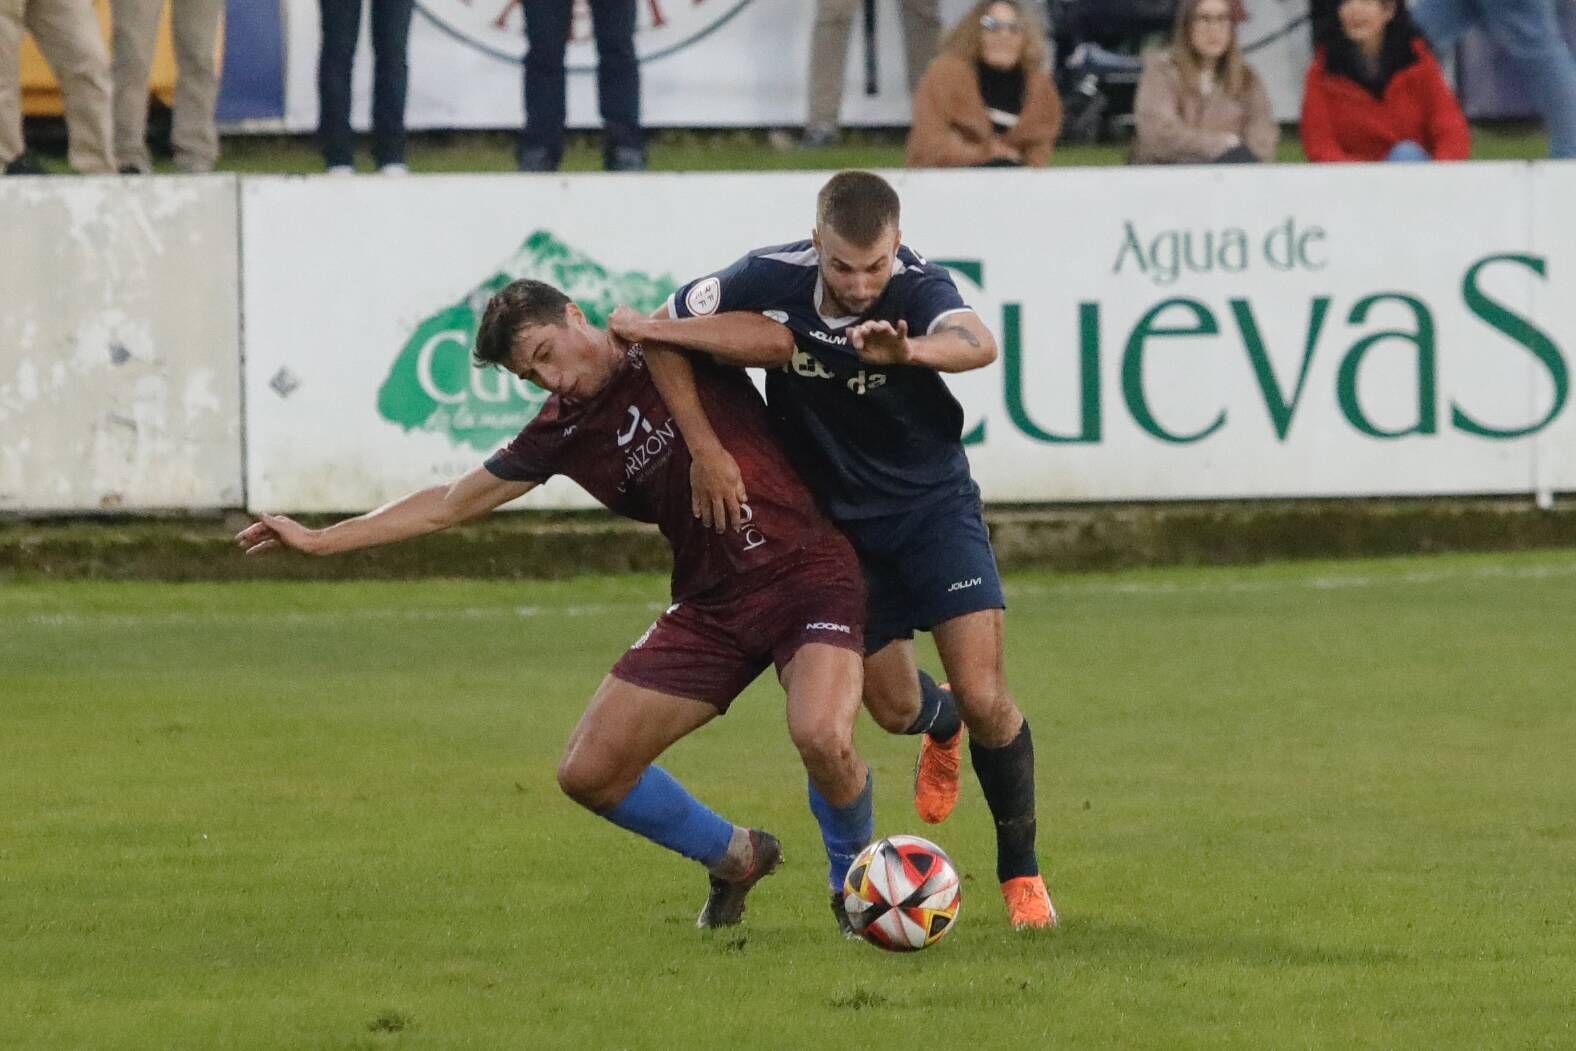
(987, 99)
(1374, 92)
(1199, 102)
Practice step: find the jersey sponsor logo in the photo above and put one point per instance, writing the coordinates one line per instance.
(802, 364)
(964, 585)
(753, 537)
(826, 625)
(643, 444)
(704, 296)
(864, 382)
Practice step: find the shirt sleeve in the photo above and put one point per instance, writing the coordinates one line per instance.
(746, 285)
(525, 459)
(932, 297)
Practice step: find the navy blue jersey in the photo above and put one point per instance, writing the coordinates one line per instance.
(869, 439)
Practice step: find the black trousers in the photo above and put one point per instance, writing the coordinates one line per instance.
(390, 35)
(617, 73)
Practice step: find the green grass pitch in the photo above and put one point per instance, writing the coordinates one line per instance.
(1299, 805)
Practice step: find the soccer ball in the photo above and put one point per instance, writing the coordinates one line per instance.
(902, 893)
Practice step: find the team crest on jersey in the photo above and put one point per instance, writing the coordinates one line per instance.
(497, 27)
(704, 297)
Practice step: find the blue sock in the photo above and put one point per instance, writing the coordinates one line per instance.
(938, 711)
(663, 811)
(845, 830)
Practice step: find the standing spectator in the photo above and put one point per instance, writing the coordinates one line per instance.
(1199, 101)
(547, 27)
(68, 34)
(390, 36)
(834, 25)
(988, 99)
(194, 24)
(1528, 32)
(1374, 92)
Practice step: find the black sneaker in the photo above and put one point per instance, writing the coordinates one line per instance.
(844, 924)
(26, 164)
(625, 159)
(725, 904)
(535, 159)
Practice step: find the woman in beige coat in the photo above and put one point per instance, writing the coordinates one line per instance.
(1199, 102)
(987, 99)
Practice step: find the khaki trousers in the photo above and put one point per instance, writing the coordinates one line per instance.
(834, 24)
(68, 34)
(194, 26)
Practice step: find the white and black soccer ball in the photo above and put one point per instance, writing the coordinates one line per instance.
(902, 893)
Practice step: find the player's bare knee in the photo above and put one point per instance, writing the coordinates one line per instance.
(987, 709)
(893, 711)
(587, 783)
(823, 743)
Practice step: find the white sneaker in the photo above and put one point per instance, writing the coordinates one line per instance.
(394, 169)
(341, 169)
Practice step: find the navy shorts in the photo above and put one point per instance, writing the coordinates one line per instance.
(925, 567)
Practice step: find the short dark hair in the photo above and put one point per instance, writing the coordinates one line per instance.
(857, 205)
(517, 305)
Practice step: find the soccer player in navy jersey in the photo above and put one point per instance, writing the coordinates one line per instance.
(866, 326)
(782, 587)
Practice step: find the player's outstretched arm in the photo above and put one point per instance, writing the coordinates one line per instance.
(424, 511)
(740, 338)
(960, 343)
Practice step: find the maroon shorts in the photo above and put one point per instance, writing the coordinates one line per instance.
(712, 646)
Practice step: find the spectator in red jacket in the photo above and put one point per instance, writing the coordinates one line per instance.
(1375, 92)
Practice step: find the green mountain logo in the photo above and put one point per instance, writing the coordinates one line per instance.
(432, 386)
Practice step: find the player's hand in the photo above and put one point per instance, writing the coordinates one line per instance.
(628, 324)
(717, 495)
(880, 343)
(278, 531)
(1002, 150)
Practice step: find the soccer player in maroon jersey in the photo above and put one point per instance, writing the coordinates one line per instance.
(781, 586)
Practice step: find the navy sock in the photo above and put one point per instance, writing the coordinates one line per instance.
(663, 811)
(1007, 777)
(938, 711)
(845, 830)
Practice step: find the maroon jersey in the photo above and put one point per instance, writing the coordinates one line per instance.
(623, 447)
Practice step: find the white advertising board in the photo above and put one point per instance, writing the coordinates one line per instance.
(1188, 333)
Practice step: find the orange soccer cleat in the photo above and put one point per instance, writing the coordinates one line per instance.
(936, 777)
(1028, 904)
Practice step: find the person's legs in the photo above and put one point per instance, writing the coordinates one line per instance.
(12, 144)
(194, 136)
(390, 73)
(341, 26)
(823, 687)
(546, 38)
(618, 83)
(1002, 751)
(1528, 31)
(135, 30)
(68, 34)
(834, 25)
(1444, 22)
(921, 30)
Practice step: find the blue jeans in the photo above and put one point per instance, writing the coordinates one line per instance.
(390, 32)
(547, 24)
(1528, 31)
(1407, 152)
